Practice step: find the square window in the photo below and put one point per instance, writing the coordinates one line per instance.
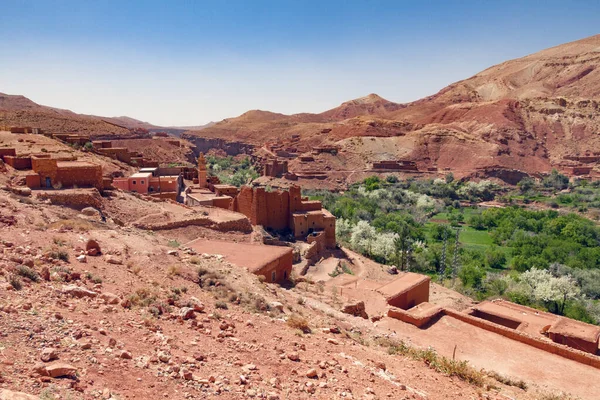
(133, 182)
(141, 182)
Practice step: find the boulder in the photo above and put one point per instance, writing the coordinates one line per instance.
(312, 373)
(113, 260)
(90, 212)
(21, 191)
(125, 355)
(92, 248)
(357, 309)
(78, 291)
(187, 313)
(48, 354)
(110, 298)
(196, 304)
(275, 305)
(57, 370)
(82, 258)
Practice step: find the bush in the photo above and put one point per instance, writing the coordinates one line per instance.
(298, 322)
(221, 305)
(59, 254)
(15, 282)
(495, 257)
(471, 275)
(27, 272)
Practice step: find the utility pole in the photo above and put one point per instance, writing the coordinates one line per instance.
(455, 261)
(443, 262)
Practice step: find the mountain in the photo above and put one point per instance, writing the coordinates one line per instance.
(525, 114)
(17, 110)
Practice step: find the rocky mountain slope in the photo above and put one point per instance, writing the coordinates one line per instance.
(522, 114)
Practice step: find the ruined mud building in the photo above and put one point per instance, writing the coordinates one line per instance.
(278, 210)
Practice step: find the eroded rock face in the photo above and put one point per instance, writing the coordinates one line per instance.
(357, 309)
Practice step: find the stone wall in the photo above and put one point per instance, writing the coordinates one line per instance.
(78, 199)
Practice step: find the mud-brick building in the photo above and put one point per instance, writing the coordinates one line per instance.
(49, 173)
(274, 263)
(286, 210)
(149, 183)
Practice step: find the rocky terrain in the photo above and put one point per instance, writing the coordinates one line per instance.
(94, 309)
(525, 114)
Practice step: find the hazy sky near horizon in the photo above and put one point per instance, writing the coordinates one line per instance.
(178, 63)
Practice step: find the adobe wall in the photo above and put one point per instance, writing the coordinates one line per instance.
(497, 319)
(243, 203)
(45, 168)
(282, 267)
(583, 345)
(414, 296)
(80, 176)
(418, 320)
(7, 152)
(165, 195)
(519, 336)
(222, 202)
(240, 225)
(121, 183)
(163, 184)
(32, 181)
(18, 162)
(77, 200)
(278, 210)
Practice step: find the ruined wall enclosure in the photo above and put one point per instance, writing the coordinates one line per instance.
(546, 345)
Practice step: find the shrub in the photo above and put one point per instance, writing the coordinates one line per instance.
(27, 272)
(58, 254)
(15, 282)
(221, 305)
(298, 322)
(173, 270)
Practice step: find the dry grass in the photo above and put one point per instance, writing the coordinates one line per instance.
(77, 225)
(298, 322)
(174, 270)
(28, 273)
(460, 369)
(507, 380)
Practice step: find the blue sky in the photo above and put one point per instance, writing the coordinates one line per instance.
(191, 62)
